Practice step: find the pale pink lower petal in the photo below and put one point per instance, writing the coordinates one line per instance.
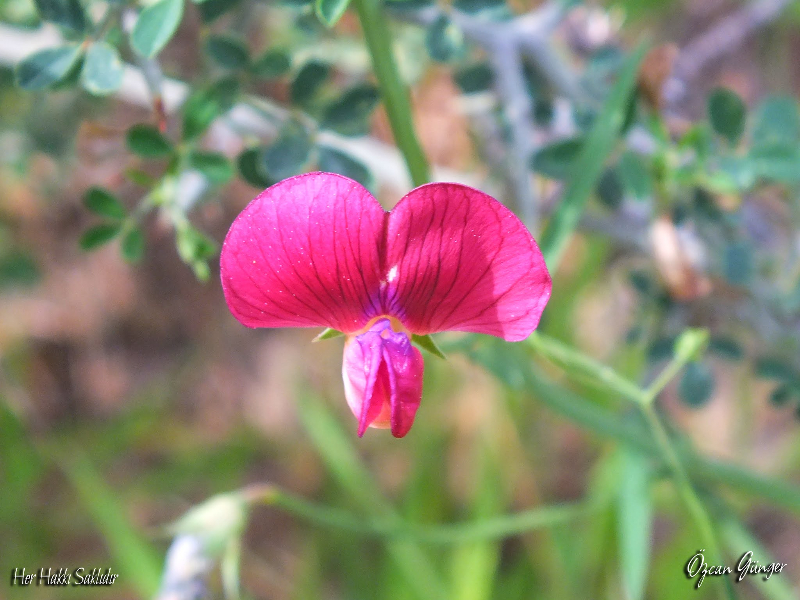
(457, 259)
(305, 253)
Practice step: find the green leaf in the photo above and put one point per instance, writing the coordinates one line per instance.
(99, 235)
(102, 69)
(327, 334)
(271, 64)
(334, 161)
(287, 155)
(556, 159)
(609, 189)
(696, 384)
(47, 67)
(635, 176)
(133, 245)
(195, 249)
(349, 114)
(330, 11)
(155, 26)
(737, 262)
(727, 348)
(779, 162)
(474, 78)
(634, 522)
(589, 165)
(777, 122)
(444, 40)
(66, 13)
(773, 368)
(308, 81)
(781, 395)
(426, 342)
(249, 164)
(727, 113)
(214, 166)
(18, 268)
(211, 10)
(691, 344)
(227, 51)
(147, 142)
(205, 105)
(103, 203)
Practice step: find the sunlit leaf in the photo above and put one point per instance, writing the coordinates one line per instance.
(45, 68)
(102, 69)
(155, 26)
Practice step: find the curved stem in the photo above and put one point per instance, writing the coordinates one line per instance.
(394, 93)
(451, 533)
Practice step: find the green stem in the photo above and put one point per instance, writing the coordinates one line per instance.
(578, 363)
(454, 533)
(684, 486)
(395, 94)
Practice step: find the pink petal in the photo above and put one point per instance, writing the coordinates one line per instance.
(382, 375)
(459, 260)
(305, 253)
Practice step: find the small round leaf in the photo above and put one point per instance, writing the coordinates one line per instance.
(102, 69)
(103, 203)
(99, 235)
(47, 67)
(155, 26)
(727, 113)
(147, 142)
(696, 385)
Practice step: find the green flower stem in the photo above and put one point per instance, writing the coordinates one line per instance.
(689, 344)
(394, 93)
(579, 364)
(455, 533)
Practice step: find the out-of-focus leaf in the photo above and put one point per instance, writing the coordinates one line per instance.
(330, 11)
(147, 141)
(777, 122)
(103, 203)
(155, 26)
(102, 69)
(287, 155)
(132, 245)
(609, 189)
(227, 51)
(773, 368)
(211, 10)
(555, 160)
(195, 248)
(493, 9)
(308, 81)
(726, 348)
(474, 78)
(335, 161)
(47, 67)
(634, 522)
(271, 64)
(444, 40)
(214, 166)
(781, 395)
(737, 262)
(18, 268)
(777, 162)
(589, 164)
(99, 235)
(250, 167)
(635, 176)
(349, 114)
(66, 13)
(696, 384)
(727, 113)
(205, 105)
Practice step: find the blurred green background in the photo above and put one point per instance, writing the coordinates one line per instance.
(661, 182)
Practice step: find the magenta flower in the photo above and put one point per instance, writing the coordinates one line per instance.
(317, 250)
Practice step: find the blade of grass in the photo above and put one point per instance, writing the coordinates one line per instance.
(342, 461)
(588, 166)
(634, 522)
(137, 561)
